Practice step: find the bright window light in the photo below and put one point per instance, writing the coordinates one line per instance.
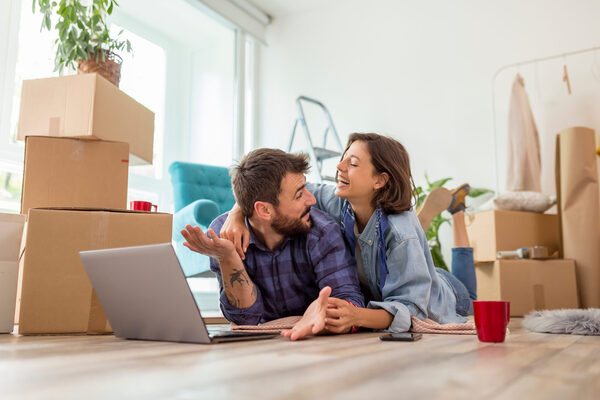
(143, 78)
(212, 97)
(35, 58)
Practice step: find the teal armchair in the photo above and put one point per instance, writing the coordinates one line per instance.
(200, 193)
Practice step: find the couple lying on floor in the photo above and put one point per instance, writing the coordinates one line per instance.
(347, 256)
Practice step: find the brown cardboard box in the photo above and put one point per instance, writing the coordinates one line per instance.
(528, 284)
(88, 106)
(497, 230)
(11, 232)
(56, 295)
(70, 172)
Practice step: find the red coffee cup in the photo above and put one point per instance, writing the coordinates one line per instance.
(142, 206)
(491, 320)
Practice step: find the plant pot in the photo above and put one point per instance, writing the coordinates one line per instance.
(110, 68)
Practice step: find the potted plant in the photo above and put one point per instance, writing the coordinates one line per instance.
(432, 233)
(83, 36)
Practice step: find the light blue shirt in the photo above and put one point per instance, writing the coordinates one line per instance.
(413, 286)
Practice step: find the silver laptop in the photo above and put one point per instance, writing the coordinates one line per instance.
(145, 295)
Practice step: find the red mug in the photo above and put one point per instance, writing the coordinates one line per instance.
(142, 206)
(491, 320)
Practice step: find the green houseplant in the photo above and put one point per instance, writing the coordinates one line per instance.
(433, 231)
(83, 36)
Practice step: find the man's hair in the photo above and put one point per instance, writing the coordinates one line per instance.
(388, 155)
(258, 176)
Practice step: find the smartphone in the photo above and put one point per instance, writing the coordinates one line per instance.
(401, 337)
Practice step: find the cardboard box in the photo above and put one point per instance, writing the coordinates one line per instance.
(70, 172)
(11, 232)
(88, 106)
(497, 230)
(56, 295)
(528, 284)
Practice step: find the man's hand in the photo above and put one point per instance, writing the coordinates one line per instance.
(340, 315)
(212, 246)
(313, 320)
(234, 229)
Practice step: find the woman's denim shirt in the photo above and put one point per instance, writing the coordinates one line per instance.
(413, 286)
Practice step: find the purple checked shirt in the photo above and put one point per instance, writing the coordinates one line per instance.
(290, 278)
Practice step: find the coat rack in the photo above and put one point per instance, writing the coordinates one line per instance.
(517, 65)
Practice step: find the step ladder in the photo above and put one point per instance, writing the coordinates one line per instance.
(317, 154)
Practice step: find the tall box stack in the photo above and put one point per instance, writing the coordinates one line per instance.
(81, 134)
(528, 284)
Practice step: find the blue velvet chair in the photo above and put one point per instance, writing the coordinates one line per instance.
(200, 193)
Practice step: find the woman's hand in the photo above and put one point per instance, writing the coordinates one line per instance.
(234, 229)
(340, 316)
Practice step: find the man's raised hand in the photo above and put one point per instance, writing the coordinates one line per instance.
(212, 246)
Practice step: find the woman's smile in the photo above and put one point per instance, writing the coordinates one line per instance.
(342, 182)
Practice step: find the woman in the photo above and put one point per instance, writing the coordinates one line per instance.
(373, 204)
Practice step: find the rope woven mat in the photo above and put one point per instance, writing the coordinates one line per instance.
(275, 326)
(426, 326)
(430, 326)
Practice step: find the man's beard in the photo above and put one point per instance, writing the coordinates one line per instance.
(291, 226)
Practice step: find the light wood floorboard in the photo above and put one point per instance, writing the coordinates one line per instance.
(356, 366)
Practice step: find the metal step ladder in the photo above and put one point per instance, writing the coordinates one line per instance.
(317, 154)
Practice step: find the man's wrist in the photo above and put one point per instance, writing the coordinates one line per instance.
(230, 259)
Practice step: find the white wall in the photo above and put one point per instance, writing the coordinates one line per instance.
(420, 72)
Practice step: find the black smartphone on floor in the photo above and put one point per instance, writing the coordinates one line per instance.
(401, 337)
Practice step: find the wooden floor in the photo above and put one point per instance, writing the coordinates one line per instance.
(356, 366)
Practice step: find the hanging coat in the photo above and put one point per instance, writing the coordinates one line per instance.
(524, 160)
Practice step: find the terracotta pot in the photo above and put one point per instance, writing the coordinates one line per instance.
(110, 68)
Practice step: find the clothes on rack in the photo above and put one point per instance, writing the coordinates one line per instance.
(524, 160)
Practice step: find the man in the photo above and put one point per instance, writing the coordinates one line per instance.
(295, 254)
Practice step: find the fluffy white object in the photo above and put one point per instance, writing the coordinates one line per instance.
(524, 201)
(576, 322)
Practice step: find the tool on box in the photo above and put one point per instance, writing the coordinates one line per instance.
(535, 252)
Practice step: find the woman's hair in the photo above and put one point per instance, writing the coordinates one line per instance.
(389, 156)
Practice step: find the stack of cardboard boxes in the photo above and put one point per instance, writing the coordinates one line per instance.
(80, 134)
(528, 284)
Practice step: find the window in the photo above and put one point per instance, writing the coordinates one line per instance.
(212, 97)
(183, 67)
(250, 93)
(10, 189)
(143, 75)
(35, 58)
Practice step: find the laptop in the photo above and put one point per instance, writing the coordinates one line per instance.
(145, 295)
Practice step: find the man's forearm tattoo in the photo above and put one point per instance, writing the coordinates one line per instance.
(239, 276)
